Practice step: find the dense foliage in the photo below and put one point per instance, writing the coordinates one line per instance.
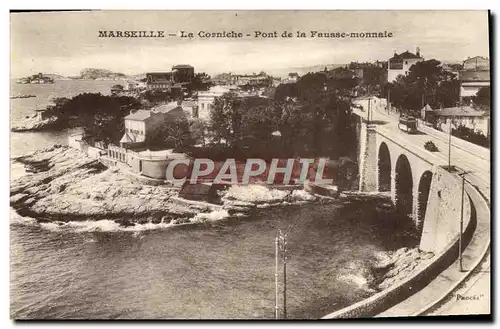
(307, 118)
(483, 98)
(100, 116)
(173, 133)
(471, 136)
(425, 83)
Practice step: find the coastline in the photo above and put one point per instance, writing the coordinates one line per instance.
(32, 123)
(66, 185)
(68, 190)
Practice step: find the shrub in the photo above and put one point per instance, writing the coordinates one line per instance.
(471, 136)
(431, 147)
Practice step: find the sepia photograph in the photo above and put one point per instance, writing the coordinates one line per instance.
(250, 164)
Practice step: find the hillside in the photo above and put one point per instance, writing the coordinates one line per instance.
(100, 74)
(56, 77)
(284, 71)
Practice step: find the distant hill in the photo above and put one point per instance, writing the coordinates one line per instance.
(137, 77)
(100, 74)
(301, 70)
(56, 77)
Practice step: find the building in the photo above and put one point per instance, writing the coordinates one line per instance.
(206, 99)
(400, 64)
(466, 116)
(165, 81)
(141, 125)
(339, 73)
(182, 73)
(474, 76)
(190, 107)
(477, 63)
(261, 79)
(160, 81)
(132, 86)
(293, 77)
(222, 79)
(116, 89)
(370, 102)
(36, 79)
(41, 114)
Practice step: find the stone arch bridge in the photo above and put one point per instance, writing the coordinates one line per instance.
(394, 162)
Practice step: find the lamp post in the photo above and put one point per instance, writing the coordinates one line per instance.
(369, 110)
(449, 145)
(461, 227)
(276, 298)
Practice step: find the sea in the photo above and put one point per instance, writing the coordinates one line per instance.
(217, 270)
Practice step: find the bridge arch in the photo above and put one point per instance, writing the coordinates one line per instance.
(424, 187)
(403, 187)
(384, 168)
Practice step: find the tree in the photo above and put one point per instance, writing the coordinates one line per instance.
(483, 97)
(200, 82)
(258, 124)
(198, 129)
(174, 133)
(425, 83)
(284, 91)
(224, 117)
(154, 97)
(227, 117)
(100, 116)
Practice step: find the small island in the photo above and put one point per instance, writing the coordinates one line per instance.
(39, 78)
(22, 96)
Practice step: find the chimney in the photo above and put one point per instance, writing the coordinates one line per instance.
(418, 51)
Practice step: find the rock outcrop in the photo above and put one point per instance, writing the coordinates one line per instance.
(33, 124)
(66, 185)
(398, 266)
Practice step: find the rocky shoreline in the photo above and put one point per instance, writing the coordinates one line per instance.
(65, 185)
(398, 266)
(31, 123)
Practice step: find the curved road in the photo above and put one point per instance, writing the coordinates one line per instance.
(475, 161)
(464, 157)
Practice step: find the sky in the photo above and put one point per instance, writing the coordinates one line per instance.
(67, 42)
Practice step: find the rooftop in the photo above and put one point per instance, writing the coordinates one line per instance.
(475, 75)
(462, 111)
(475, 58)
(166, 108)
(182, 66)
(405, 55)
(139, 115)
(159, 77)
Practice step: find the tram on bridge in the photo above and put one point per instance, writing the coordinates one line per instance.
(408, 124)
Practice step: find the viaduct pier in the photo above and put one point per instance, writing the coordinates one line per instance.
(427, 192)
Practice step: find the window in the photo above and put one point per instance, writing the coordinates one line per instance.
(406, 62)
(202, 106)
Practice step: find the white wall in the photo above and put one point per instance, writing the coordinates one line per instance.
(407, 63)
(135, 125)
(204, 106)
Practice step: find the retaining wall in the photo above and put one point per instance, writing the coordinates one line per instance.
(428, 271)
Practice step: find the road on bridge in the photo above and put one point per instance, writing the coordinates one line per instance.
(467, 157)
(464, 157)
